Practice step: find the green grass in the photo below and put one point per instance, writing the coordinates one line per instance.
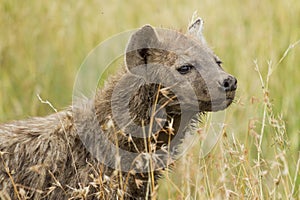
(42, 45)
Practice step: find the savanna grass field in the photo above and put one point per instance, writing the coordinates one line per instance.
(257, 156)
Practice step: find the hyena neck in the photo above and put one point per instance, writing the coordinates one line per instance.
(149, 105)
(148, 114)
(97, 124)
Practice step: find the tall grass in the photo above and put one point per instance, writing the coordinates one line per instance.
(42, 45)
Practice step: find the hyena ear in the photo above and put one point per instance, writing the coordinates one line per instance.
(139, 47)
(195, 29)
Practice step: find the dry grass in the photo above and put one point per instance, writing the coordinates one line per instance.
(42, 44)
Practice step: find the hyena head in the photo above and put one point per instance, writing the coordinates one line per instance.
(184, 66)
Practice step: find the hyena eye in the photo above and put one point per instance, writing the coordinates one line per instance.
(184, 69)
(219, 62)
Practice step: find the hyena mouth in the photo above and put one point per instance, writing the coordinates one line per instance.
(222, 104)
(215, 105)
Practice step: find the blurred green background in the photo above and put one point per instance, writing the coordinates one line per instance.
(43, 43)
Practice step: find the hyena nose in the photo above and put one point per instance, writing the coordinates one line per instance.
(229, 84)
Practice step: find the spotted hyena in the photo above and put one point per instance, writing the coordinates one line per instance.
(115, 145)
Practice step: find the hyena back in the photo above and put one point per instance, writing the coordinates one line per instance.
(116, 145)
